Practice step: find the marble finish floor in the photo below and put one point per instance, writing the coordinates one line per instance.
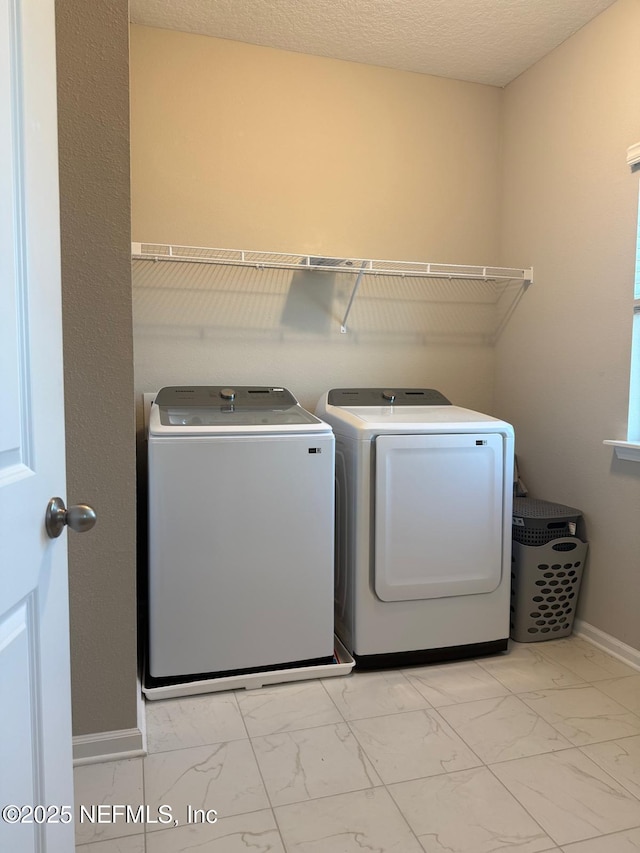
(534, 750)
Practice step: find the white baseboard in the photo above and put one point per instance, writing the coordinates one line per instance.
(108, 746)
(141, 715)
(609, 644)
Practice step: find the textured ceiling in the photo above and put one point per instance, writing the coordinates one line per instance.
(483, 41)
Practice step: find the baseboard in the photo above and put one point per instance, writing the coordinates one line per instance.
(141, 714)
(108, 746)
(609, 644)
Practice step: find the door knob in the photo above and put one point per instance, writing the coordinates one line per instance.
(79, 518)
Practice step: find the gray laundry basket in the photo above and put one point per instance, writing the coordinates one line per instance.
(546, 570)
(545, 583)
(536, 522)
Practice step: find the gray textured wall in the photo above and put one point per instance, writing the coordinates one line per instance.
(93, 110)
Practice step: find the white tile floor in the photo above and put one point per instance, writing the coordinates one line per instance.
(535, 750)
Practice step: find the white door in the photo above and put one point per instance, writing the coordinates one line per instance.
(438, 515)
(35, 710)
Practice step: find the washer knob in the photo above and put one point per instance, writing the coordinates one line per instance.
(228, 394)
(389, 395)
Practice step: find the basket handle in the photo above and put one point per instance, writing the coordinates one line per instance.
(564, 545)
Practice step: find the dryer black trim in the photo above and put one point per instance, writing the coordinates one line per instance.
(421, 656)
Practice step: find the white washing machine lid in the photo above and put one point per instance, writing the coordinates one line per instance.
(192, 410)
(367, 412)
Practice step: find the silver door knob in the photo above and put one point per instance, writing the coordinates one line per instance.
(79, 518)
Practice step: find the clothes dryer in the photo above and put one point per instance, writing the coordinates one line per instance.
(241, 520)
(423, 525)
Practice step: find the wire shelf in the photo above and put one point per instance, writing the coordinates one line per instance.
(281, 260)
(358, 267)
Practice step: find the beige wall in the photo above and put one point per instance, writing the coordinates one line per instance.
(562, 374)
(238, 146)
(93, 109)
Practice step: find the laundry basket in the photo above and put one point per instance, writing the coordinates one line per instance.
(536, 522)
(547, 563)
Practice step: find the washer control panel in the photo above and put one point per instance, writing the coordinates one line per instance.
(224, 407)
(242, 396)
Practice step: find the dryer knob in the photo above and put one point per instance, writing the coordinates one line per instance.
(228, 394)
(389, 395)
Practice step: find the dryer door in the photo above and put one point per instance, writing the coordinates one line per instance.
(438, 515)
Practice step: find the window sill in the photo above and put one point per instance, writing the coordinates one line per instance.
(629, 450)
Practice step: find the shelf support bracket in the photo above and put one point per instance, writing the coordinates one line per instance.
(343, 325)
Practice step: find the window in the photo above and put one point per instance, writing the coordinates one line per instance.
(630, 449)
(633, 433)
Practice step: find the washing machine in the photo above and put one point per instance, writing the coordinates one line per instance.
(241, 528)
(423, 526)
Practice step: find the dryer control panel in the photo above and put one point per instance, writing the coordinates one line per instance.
(386, 397)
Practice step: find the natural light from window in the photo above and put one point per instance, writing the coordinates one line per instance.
(633, 433)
